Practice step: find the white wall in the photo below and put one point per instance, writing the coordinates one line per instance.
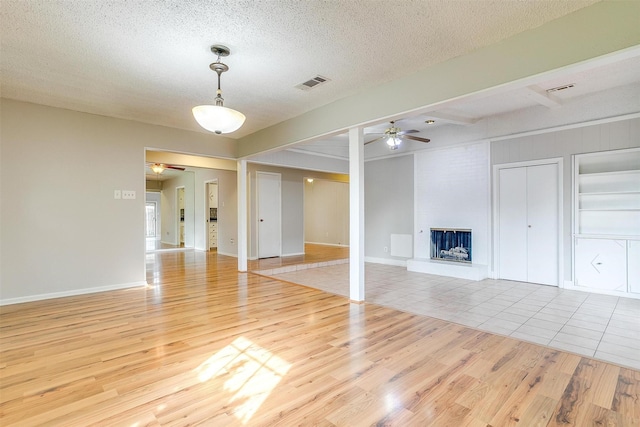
(452, 191)
(67, 165)
(611, 135)
(388, 199)
(326, 212)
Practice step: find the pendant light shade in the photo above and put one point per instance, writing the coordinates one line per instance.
(218, 118)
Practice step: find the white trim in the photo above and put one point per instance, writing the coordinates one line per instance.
(290, 166)
(558, 161)
(75, 292)
(328, 244)
(415, 206)
(569, 285)
(566, 127)
(228, 254)
(315, 153)
(292, 254)
(386, 261)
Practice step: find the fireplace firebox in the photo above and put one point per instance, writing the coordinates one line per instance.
(451, 244)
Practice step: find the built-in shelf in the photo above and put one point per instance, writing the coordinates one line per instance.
(607, 221)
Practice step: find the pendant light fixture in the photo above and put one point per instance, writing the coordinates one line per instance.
(217, 118)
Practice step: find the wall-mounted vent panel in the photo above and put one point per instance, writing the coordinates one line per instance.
(314, 82)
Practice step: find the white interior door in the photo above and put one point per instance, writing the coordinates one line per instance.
(542, 224)
(528, 233)
(269, 215)
(512, 227)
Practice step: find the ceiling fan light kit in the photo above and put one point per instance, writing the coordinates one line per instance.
(393, 136)
(157, 168)
(218, 118)
(394, 142)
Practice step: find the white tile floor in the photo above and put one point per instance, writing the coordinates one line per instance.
(600, 326)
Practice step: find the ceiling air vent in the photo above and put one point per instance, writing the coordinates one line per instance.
(559, 88)
(311, 83)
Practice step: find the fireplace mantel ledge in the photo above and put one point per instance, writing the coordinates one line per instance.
(449, 269)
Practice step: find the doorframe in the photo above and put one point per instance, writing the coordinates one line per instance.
(257, 218)
(206, 211)
(559, 163)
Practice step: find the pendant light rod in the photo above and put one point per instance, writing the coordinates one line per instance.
(218, 118)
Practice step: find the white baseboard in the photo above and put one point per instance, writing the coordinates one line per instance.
(72, 293)
(327, 244)
(227, 254)
(386, 261)
(293, 254)
(569, 285)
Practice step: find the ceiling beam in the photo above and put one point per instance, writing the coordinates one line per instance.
(452, 118)
(588, 37)
(540, 96)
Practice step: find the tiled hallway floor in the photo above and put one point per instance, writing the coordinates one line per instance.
(600, 326)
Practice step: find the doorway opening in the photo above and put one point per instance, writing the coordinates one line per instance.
(211, 214)
(150, 224)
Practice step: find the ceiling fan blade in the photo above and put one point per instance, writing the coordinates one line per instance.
(416, 138)
(404, 132)
(174, 167)
(373, 140)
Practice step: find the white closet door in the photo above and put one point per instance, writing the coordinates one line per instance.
(542, 224)
(269, 215)
(528, 224)
(512, 226)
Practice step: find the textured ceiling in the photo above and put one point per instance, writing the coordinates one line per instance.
(148, 60)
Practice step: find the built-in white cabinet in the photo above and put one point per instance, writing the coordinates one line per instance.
(607, 221)
(213, 234)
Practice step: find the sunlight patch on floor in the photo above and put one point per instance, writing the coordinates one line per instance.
(254, 373)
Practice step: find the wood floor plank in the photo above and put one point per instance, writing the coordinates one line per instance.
(206, 345)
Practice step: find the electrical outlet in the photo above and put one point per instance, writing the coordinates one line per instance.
(117, 194)
(232, 241)
(128, 194)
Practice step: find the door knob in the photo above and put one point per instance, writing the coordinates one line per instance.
(261, 220)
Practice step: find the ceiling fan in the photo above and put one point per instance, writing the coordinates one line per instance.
(394, 136)
(158, 168)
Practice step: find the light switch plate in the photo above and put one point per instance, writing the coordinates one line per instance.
(117, 194)
(128, 194)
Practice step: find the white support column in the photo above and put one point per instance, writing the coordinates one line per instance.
(243, 243)
(356, 214)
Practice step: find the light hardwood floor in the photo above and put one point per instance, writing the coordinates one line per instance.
(204, 344)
